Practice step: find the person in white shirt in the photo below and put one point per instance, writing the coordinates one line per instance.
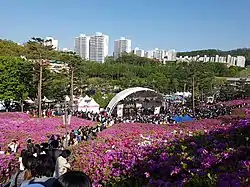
(62, 165)
(13, 146)
(24, 153)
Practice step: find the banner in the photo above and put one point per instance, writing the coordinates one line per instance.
(69, 119)
(120, 110)
(157, 110)
(66, 121)
(138, 105)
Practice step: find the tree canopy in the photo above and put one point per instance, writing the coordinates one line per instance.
(15, 83)
(101, 80)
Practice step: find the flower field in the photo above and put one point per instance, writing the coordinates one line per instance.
(20, 126)
(210, 152)
(235, 102)
(201, 153)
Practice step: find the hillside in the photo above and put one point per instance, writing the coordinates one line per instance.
(212, 52)
(102, 80)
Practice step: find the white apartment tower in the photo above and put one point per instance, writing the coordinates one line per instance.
(217, 58)
(49, 41)
(171, 55)
(149, 54)
(82, 46)
(98, 47)
(160, 54)
(122, 45)
(240, 61)
(139, 52)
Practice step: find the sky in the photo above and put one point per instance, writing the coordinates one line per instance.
(183, 25)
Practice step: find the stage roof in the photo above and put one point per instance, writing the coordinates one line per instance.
(125, 93)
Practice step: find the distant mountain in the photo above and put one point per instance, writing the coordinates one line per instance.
(212, 52)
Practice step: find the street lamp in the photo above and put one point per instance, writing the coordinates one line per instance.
(66, 117)
(41, 64)
(193, 98)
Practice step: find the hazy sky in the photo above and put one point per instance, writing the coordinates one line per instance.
(176, 24)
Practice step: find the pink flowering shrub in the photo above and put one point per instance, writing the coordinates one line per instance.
(13, 115)
(20, 126)
(235, 102)
(211, 152)
(144, 154)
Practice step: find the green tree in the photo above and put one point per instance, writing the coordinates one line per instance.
(13, 83)
(9, 48)
(75, 64)
(55, 85)
(103, 99)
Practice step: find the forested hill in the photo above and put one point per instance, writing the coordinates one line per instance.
(102, 80)
(212, 52)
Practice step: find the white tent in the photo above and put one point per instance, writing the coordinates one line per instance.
(184, 94)
(29, 101)
(2, 107)
(88, 104)
(46, 100)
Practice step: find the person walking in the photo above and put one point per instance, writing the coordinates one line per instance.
(62, 165)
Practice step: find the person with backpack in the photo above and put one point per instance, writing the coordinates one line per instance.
(29, 163)
(30, 146)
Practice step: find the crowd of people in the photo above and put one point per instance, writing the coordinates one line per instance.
(165, 116)
(56, 141)
(46, 164)
(147, 115)
(45, 113)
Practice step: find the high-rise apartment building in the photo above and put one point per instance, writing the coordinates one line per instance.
(231, 61)
(49, 41)
(122, 45)
(139, 52)
(206, 58)
(222, 59)
(98, 47)
(240, 61)
(171, 55)
(217, 58)
(149, 54)
(82, 46)
(212, 59)
(159, 54)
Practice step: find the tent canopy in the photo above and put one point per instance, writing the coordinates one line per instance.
(29, 101)
(88, 104)
(179, 119)
(184, 94)
(46, 100)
